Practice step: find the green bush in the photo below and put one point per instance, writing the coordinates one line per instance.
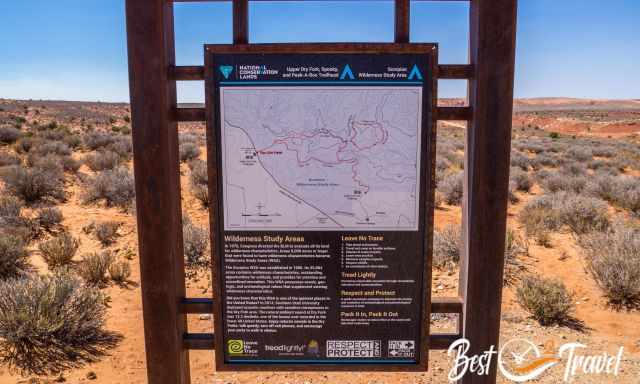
(94, 266)
(613, 258)
(548, 301)
(59, 251)
(50, 324)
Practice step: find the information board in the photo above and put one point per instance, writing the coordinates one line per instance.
(323, 167)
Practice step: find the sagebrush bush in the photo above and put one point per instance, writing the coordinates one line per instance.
(550, 212)
(9, 135)
(115, 187)
(521, 161)
(120, 272)
(34, 184)
(10, 207)
(447, 244)
(59, 251)
(580, 153)
(547, 300)
(613, 258)
(198, 180)
(557, 182)
(69, 164)
(122, 146)
(51, 323)
(49, 217)
(94, 266)
(24, 144)
(521, 179)
(515, 247)
(50, 148)
(189, 151)
(451, 188)
(102, 160)
(196, 241)
(107, 232)
(7, 159)
(626, 193)
(97, 140)
(14, 258)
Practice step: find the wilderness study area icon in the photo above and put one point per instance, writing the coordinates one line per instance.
(321, 160)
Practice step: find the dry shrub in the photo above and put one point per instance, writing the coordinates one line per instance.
(626, 193)
(196, 241)
(102, 160)
(613, 258)
(515, 247)
(189, 151)
(521, 161)
(10, 207)
(115, 187)
(581, 214)
(34, 184)
(97, 140)
(451, 188)
(14, 258)
(521, 179)
(49, 217)
(7, 159)
(559, 182)
(59, 251)
(9, 135)
(107, 232)
(44, 148)
(199, 181)
(120, 272)
(580, 153)
(94, 266)
(447, 245)
(52, 323)
(547, 300)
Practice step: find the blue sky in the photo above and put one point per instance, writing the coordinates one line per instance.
(76, 49)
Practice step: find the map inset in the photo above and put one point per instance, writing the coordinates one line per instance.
(333, 158)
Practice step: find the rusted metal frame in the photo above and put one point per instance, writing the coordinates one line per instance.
(240, 21)
(187, 72)
(402, 21)
(455, 71)
(189, 114)
(151, 52)
(492, 54)
(454, 113)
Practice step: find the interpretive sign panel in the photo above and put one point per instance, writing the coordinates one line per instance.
(322, 178)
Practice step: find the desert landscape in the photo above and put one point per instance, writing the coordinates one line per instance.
(70, 303)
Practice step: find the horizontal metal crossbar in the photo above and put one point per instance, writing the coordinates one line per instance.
(453, 113)
(300, 1)
(190, 114)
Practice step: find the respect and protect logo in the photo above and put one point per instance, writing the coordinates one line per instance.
(353, 348)
(520, 360)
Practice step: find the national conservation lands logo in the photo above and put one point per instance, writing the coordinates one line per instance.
(520, 360)
(226, 70)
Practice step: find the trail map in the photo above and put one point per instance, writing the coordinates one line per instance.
(321, 158)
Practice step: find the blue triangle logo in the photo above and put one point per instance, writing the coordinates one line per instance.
(226, 70)
(346, 72)
(415, 73)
